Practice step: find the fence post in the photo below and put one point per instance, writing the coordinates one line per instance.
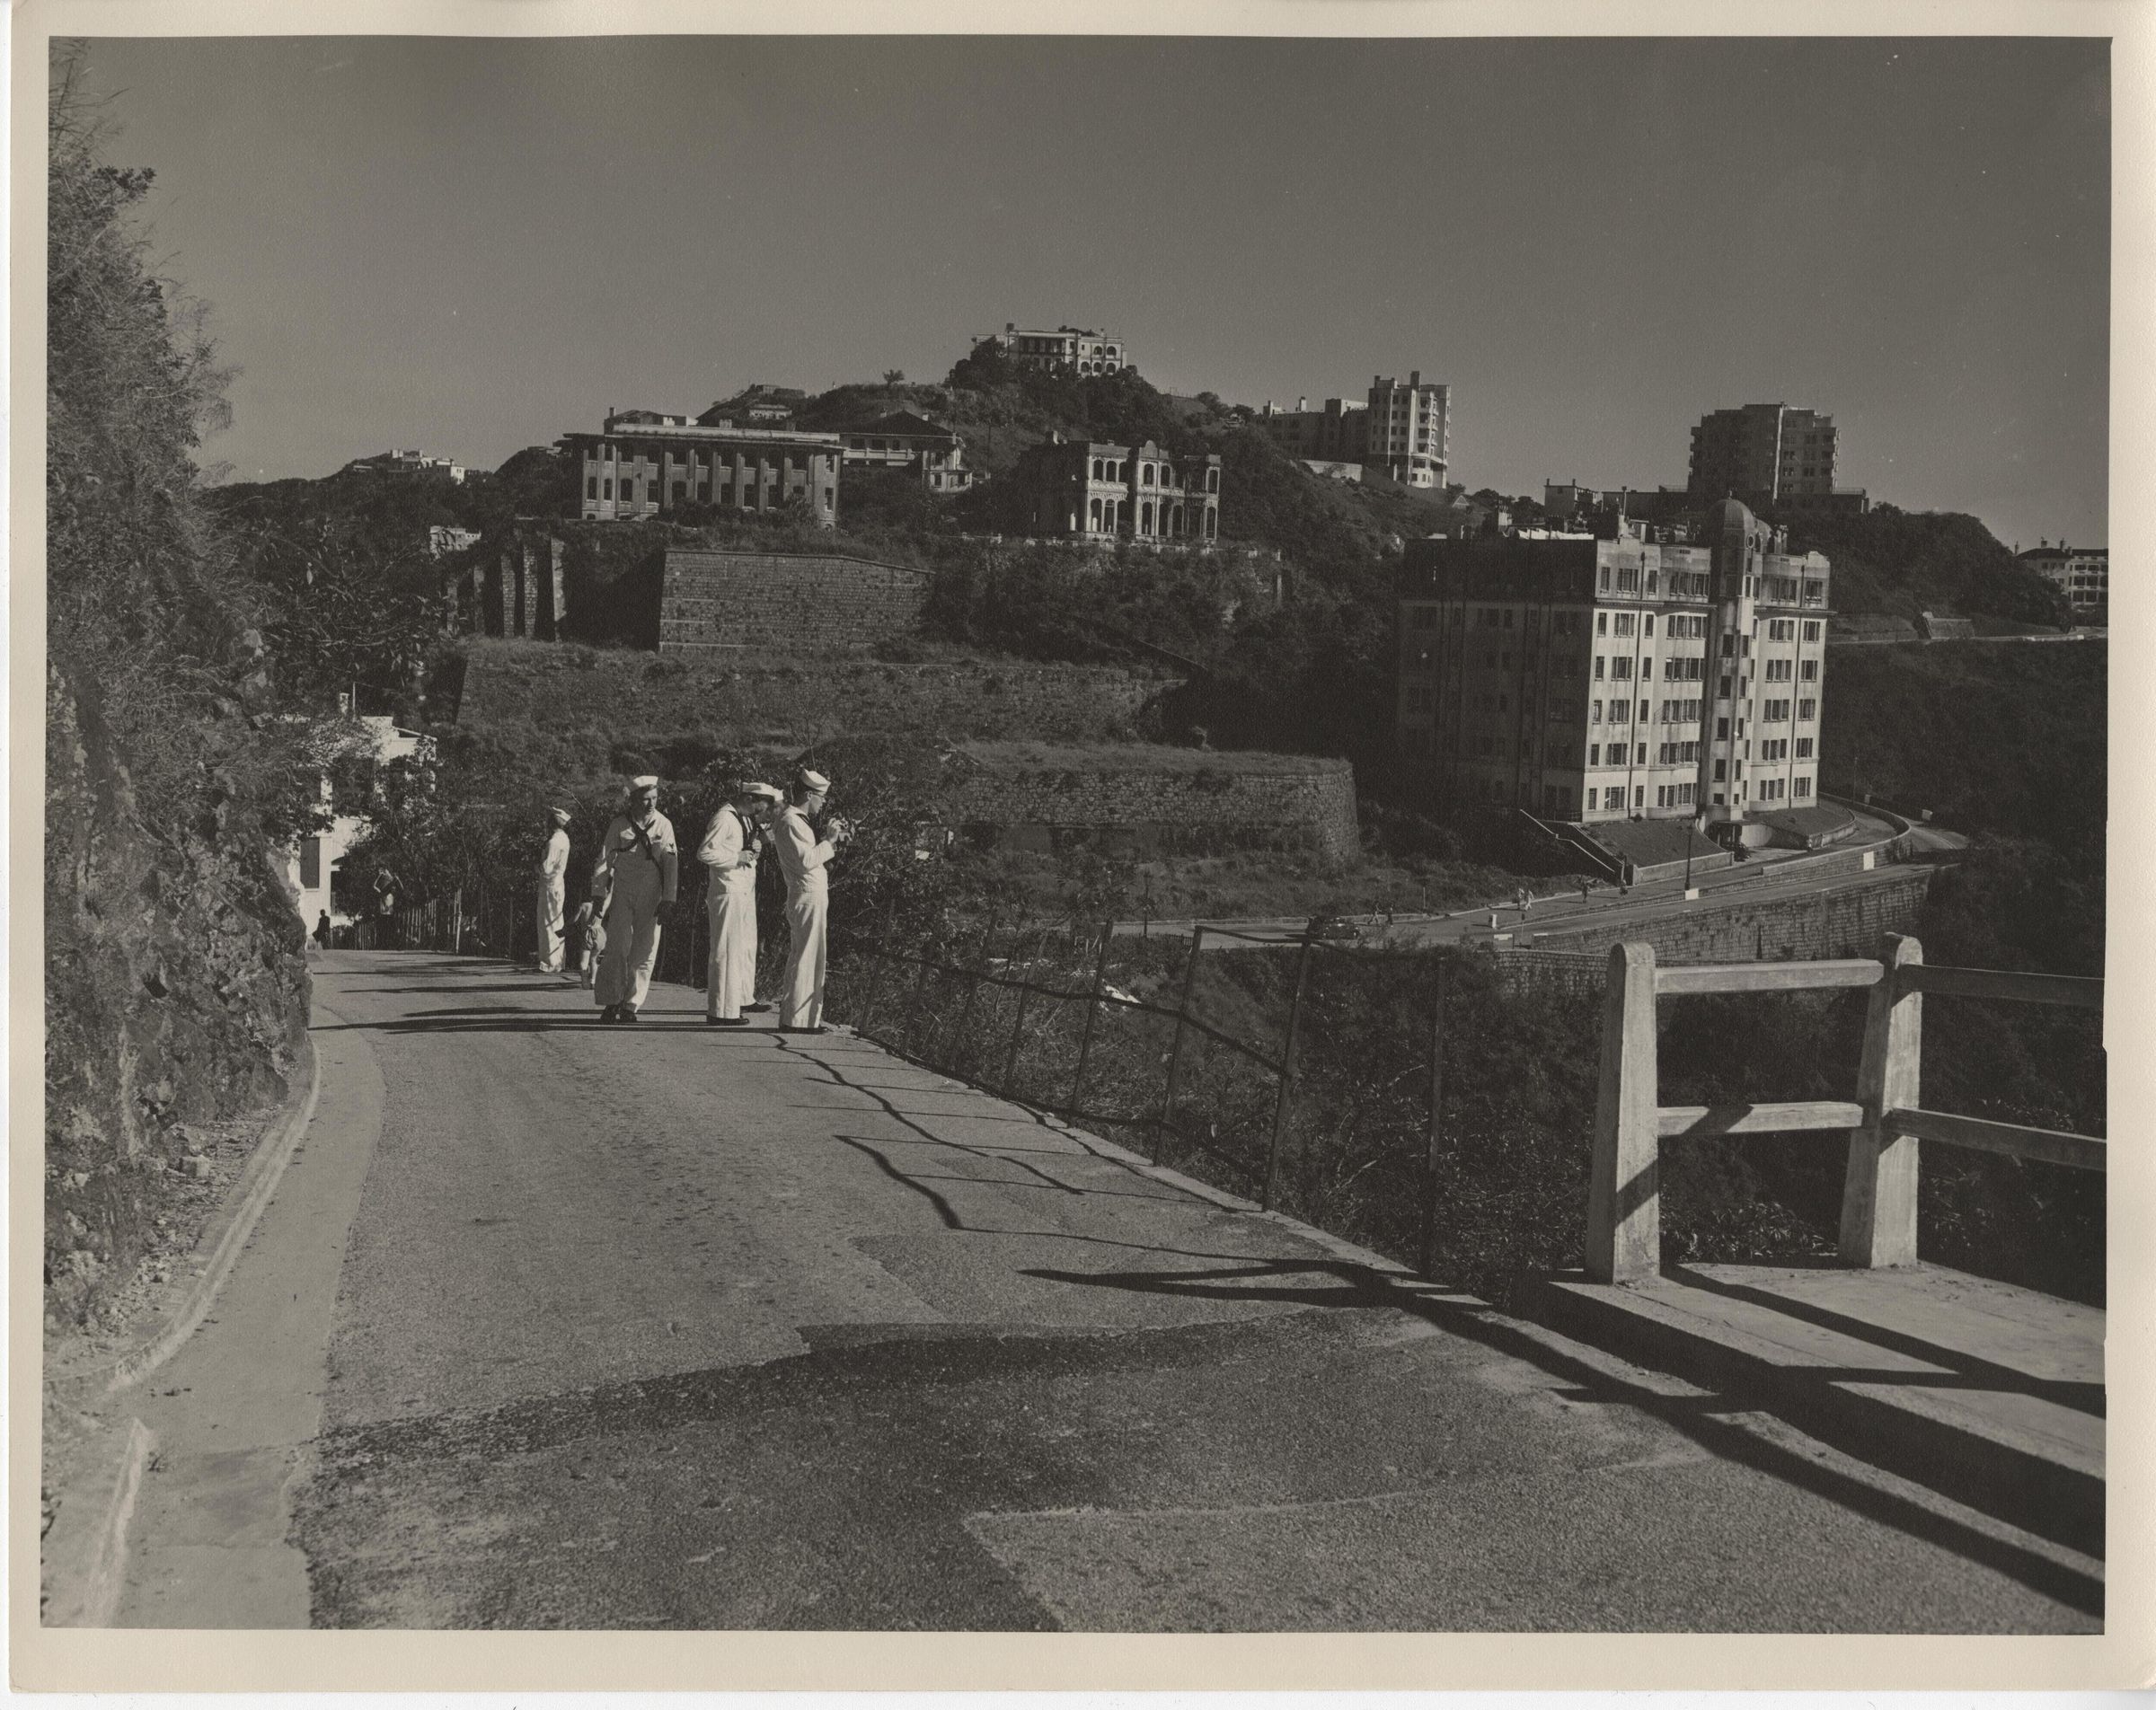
(973, 993)
(878, 959)
(1624, 1212)
(1287, 1071)
(1093, 1011)
(1018, 1031)
(1175, 1051)
(1436, 1143)
(1878, 1194)
(913, 1021)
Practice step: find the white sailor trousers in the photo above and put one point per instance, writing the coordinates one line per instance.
(731, 976)
(551, 894)
(802, 1003)
(631, 937)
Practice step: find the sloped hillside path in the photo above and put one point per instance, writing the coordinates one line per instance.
(557, 1324)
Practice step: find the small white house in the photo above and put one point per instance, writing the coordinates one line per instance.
(312, 865)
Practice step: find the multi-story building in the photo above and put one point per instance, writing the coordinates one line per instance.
(1765, 454)
(1339, 433)
(1593, 679)
(2082, 573)
(903, 440)
(1408, 430)
(406, 462)
(1077, 349)
(644, 464)
(1079, 489)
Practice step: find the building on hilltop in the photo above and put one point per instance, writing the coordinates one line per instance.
(1078, 350)
(643, 463)
(1411, 430)
(1771, 456)
(1615, 676)
(757, 406)
(409, 463)
(1337, 433)
(1403, 429)
(1085, 489)
(903, 440)
(2082, 573)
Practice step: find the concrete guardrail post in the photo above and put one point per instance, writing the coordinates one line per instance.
(1878, 1194)
(1624, 1212)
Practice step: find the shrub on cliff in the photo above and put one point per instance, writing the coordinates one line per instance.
(174, 983)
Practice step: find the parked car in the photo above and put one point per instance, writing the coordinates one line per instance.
(1335, 928)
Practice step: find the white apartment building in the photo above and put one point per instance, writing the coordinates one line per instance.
(1408, 431)
(1589, 679)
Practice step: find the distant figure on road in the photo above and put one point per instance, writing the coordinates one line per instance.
(729, 850)
(637, 872)
(553, 889)
(321, 929)
(803, 858)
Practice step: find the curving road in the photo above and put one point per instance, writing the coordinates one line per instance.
(553, 1325)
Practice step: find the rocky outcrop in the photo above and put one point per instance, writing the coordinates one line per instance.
(176, 990)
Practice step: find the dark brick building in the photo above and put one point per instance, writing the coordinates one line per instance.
(1083, 489)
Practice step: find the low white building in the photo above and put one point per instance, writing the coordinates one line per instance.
(311, 866)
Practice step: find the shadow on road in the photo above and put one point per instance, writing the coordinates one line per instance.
(1704, 1418)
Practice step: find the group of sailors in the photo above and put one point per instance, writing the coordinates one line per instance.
(635, 883)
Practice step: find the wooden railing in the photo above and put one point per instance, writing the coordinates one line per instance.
(1885, 1124)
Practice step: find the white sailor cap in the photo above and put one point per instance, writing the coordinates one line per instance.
(645, 781)
(808, 779)
(763, 792)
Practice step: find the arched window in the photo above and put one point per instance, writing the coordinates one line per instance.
(1212, 480)
(1093, 514)
(1146, 474)
(1145, 518)
(1097, 468)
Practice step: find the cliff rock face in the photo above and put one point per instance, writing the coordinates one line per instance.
(176, 988)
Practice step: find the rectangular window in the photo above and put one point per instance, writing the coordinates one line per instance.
(1808, 672)
(1621, 669)
(1640, 795)
(1808, 710)
(1599, 662)
(609, 490)
(1613, 796)
(1803, 747)
(591, 487)
(309, 863)
(1804, 786)
(1811, 630)
(1594, 754)
(1602, 619)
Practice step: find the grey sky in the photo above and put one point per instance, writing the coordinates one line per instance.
(472, 246)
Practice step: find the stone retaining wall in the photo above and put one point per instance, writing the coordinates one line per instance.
(720, 601)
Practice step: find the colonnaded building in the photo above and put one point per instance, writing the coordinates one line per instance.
(1627, 677)
(645, 463)
(1091, 490)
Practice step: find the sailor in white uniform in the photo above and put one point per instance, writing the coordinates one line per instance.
(554, 892)
(638, 871)
(804, 859)
(729, 851)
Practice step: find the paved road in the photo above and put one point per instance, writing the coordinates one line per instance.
(555, 1325)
